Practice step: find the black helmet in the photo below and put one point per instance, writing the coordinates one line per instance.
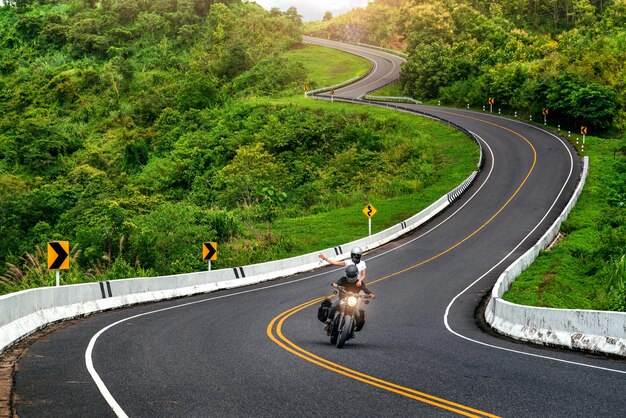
(351, 273)
(355, 254)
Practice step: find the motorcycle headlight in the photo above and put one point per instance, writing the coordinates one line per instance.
(352, 301)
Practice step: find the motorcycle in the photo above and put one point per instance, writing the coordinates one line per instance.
(343, 325)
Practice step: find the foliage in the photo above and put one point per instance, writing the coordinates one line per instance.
(563, 55)
(95, 96)
(271, 202)
(270, 76)
(131, 129)
(616, 273)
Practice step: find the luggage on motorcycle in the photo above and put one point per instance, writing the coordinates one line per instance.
(322, 311)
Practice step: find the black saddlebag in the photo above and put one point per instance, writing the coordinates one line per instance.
(322, 311)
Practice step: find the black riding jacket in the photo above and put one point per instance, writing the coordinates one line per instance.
(351, 287)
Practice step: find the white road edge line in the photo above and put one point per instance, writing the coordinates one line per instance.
(106, 394)
(447, 324)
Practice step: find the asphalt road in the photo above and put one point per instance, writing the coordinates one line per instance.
(260, 351)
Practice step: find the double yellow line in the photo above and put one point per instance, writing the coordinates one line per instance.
(276, 325)
(275, 333)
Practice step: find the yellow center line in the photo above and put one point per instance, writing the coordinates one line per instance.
(276, 324)
(337, 368)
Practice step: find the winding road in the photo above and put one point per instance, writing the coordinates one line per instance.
(260, 351)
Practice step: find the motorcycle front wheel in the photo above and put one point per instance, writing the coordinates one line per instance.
(344, 330)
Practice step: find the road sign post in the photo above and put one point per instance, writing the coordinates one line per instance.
(369, 211)
(491, 102)
(545, 115)
(58, 258)
(209, 252)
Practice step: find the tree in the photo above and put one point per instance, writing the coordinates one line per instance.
(272, 200)
(293, 15)
(327, 16)
(582, 102)
(250, 170)
(198, 91)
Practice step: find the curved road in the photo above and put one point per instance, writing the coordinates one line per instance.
(260, 351)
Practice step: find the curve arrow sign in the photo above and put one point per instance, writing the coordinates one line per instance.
(58, 255)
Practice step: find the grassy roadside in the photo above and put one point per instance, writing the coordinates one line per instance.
(343, 221)
(585, 270)
(458, 152)
(327, 66)
(329, 227)
(393, 90)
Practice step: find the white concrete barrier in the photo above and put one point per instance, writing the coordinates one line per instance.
(596, 331)
(23, 313)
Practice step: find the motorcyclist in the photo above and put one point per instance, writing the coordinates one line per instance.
(348, 283)
(355, 258)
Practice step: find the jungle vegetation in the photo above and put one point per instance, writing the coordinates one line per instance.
(566, 56)
(136, 130)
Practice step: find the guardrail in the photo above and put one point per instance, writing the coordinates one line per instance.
(393, 99)
(380, 48)
(336, 86)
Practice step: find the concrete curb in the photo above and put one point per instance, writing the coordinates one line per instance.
(594, 331)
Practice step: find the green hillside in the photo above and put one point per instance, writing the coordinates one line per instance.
(137, 130)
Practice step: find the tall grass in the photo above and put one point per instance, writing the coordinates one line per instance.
(616, 274)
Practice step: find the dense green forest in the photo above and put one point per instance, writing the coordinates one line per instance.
(116, 115)
(564, 55)
(137, 130)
